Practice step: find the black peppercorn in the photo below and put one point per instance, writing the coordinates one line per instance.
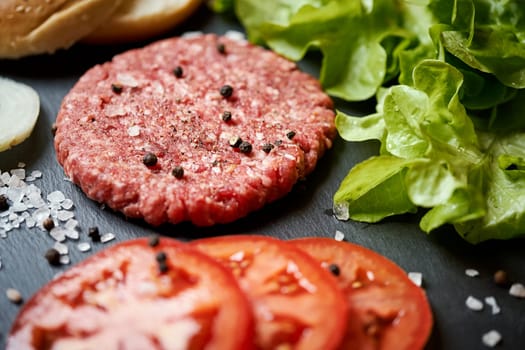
(149, 159)
(94, 234)
(48, 224)
(154, 240)
(334, 269)
(53, 257)
(267, 147)
(178, 71)
(178, 172)
(161, 256)
(221, 48)
(4, 205)
(290, 134)
(163, 267)
(245, 147)
(235, 141)
(226, 91)
(116, 88)
(226, 116)
(161, 260)
(501, 278)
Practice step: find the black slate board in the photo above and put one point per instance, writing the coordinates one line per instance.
(442, 256)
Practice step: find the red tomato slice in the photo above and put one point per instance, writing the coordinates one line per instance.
(297, 304)
(386, 310)
(128, 297)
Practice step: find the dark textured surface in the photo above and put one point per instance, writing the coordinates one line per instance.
(442, 257)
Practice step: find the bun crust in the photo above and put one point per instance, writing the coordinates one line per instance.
(31, 27)
(137, 20)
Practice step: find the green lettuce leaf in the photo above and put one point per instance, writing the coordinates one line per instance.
(433, 157)
(504, 191)
(487, 35)
(374, 189)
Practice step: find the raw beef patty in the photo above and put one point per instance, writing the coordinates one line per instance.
(198, 128)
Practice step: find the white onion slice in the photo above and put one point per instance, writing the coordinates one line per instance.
(19, 109)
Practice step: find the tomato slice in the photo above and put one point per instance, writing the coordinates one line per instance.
(297, 304)
(135, 296)
(386, 310)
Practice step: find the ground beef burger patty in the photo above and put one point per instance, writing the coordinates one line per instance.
(198, 128)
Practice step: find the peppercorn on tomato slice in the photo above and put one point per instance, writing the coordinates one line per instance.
(296, 303)
(136, 295)
(386, 309)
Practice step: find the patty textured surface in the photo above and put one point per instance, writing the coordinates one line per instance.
(156, 133)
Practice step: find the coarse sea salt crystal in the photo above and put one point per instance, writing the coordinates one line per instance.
(84, 246)
(127, 79)
(106, 237)
(416, 278)
(339, 236)
(14, 182)
(15, 194)
(491, 338)
(37, 174)
(73, 234)
(491, 301)
(5, 177)
(30, 222)
(65, 215)
(67, 204)
(58, 234)
(134, 130)
(71, 224)
(61, 248)
(18, 207)
(36, 200)
(19, 173)
(192, 34)
(235, 35)
(517, 290)
(65, 260)
(56, 197)
(13, 295)
(474, 304)
(471, 272)
(41, 214)
(341, 211)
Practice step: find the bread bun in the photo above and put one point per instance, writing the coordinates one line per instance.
(30, 27)
(136, 20)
